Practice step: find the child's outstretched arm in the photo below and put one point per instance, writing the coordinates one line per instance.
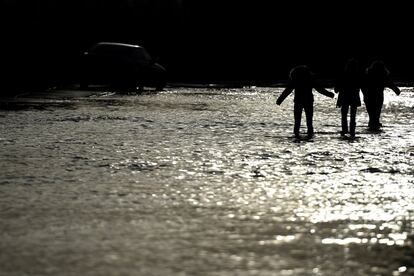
(285, 93)
(323, 91)
(393, 87)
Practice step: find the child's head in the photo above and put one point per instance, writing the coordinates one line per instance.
(300, 73)
(352, 66)
(377, 68)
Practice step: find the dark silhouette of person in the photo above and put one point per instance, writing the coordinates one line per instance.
(375, 81)
(302, 83)
(348, 86)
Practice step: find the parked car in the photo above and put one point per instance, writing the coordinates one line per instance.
(121, 66)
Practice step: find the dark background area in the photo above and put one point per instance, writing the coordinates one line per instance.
(200, 40)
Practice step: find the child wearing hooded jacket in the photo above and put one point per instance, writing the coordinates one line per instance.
(302, 83)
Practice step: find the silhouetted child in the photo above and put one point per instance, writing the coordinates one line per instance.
(302, 82)
(375, 81)
(348, 86)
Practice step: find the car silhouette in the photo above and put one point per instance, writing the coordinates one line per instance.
(121, 66)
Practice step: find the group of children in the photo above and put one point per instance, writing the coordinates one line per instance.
(372, 84)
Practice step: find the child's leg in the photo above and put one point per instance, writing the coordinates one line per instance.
(309, 118)
(369, 107)
(353, 120)
(376, 113)
(298, 117)
(379, 110)
(344, 119)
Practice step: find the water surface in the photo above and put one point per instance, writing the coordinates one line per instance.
(203, 182)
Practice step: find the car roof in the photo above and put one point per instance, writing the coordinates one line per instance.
(111, 44)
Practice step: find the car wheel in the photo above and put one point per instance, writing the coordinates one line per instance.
(160, 86)
(83, 85)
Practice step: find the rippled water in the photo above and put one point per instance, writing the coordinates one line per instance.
(203, 182)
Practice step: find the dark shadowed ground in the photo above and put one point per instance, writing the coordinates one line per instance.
(203, 40)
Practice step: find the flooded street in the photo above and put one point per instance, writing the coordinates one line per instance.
(203, 182)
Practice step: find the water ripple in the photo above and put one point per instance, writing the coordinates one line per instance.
(209, 180)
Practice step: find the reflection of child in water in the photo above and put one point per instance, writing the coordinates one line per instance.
(376, 79)
(302, 83)
(348, 86)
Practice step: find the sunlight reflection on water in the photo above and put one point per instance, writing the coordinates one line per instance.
(205, 181)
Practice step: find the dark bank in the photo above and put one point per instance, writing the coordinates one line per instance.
(203, 41)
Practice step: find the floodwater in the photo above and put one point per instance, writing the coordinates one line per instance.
(203, 182)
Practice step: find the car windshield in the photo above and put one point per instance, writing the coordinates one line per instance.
(141, 54)
(137, 53)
